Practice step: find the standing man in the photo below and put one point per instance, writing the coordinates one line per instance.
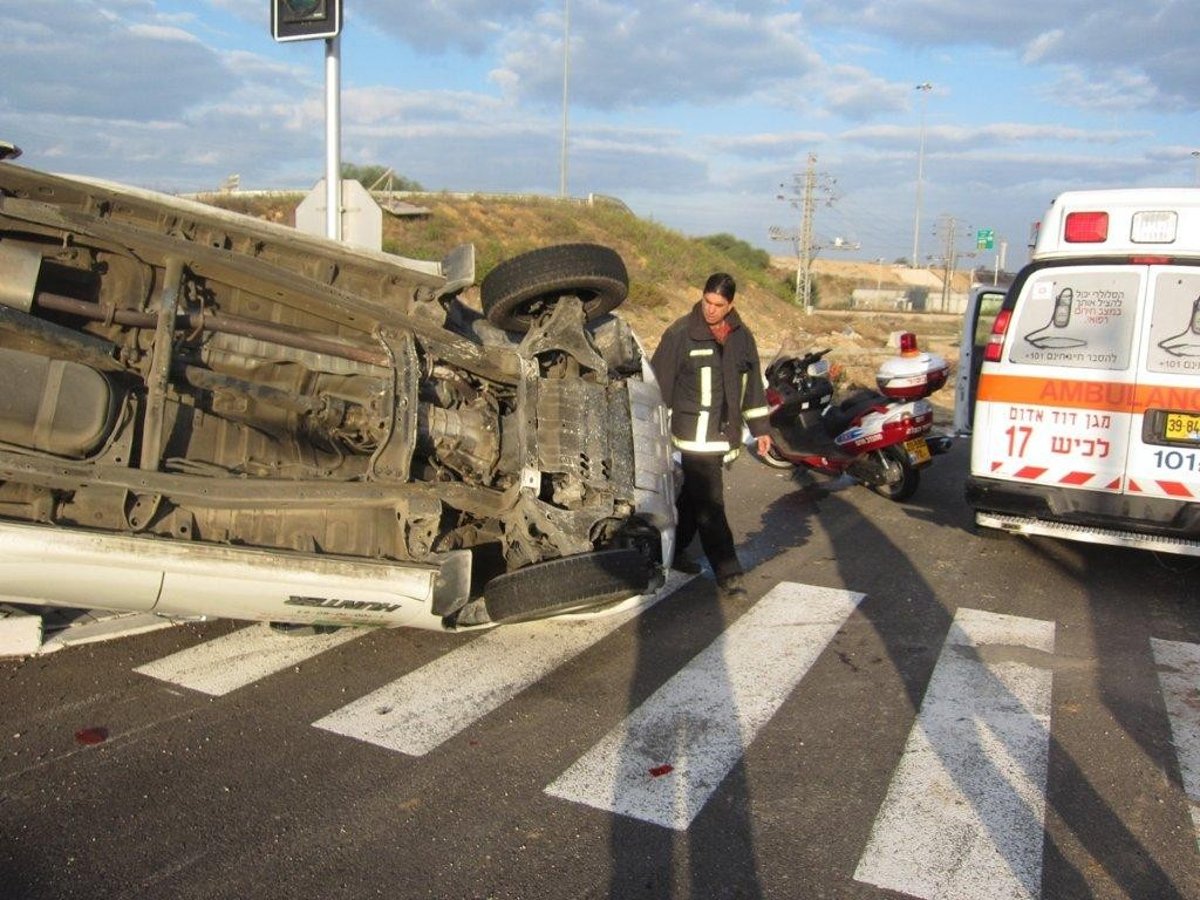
(707, 366)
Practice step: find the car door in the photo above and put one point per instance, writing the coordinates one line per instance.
(982, 307)
(1058, 411)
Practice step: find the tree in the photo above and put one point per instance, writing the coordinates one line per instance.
(738, 250)
(379, 178)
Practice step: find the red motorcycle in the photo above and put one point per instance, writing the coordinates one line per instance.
(880, 438)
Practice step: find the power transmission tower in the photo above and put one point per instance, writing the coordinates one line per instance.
(949, 228)
(804, 186)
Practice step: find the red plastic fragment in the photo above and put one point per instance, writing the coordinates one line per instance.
(659, 771)
(97, 734)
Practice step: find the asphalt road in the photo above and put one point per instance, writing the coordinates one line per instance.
(900, 707)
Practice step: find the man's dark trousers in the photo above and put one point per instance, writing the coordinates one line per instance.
(701, 508)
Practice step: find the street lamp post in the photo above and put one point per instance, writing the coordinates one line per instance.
(1196, 162)
(562, 171)
(924, 87)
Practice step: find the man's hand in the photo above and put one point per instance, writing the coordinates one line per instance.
(764, 444)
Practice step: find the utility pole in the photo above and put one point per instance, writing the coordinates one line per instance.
(948, 272)
(806, 220)
(949, 228)
(804, 188)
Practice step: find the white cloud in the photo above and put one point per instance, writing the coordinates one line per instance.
(1042, 45)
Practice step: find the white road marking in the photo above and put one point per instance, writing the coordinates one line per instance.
(227, 663)
(419, 711)
(667, 758)
(965, 812)
(1179, 679)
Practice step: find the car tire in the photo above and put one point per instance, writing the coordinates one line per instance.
(567, 584)
(519, 290)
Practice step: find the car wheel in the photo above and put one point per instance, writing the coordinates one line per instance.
(519, 290)
(567, 584)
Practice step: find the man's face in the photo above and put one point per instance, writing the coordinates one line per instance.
(715, 308)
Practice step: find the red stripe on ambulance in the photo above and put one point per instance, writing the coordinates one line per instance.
(1175, 489)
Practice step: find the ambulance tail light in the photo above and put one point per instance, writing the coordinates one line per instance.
(1086, 228)
(995, 344)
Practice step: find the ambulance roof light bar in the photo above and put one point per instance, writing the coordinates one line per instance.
(1149, 226)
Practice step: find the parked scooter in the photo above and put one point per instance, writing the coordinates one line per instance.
(881, 439)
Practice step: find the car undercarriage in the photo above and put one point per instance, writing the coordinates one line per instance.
(205, 414)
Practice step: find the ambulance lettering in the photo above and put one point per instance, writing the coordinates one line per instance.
(1105, 394)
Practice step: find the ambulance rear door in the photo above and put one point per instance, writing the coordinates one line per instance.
(1164, 448)
(1056, 411)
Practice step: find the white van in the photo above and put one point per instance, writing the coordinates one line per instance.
(1087, 410)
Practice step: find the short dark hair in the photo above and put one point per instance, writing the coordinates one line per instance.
(721, 283)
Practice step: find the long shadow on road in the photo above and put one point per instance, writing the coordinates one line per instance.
(714, 854)
(1071, 798)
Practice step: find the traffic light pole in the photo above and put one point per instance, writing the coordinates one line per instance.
(333, 138)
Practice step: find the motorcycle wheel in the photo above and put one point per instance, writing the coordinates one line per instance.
(896, 458)
(772, 458)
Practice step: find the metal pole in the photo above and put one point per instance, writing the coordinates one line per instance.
(562, 180)
(925, 87)
(333, 152)
(1196, 160)
(810, 176)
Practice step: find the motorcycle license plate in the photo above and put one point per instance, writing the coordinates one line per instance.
(918, 451)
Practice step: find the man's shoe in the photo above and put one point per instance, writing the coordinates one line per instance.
(685, 565)
(731, 586)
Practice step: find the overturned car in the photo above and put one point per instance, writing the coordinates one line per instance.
(203, 414)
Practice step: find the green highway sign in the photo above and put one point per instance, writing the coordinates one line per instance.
(985, 239)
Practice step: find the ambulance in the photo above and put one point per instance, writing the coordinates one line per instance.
(1086, 420)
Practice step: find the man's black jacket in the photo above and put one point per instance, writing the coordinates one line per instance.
(710, 387)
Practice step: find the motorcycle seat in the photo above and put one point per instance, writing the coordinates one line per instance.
(838, 417)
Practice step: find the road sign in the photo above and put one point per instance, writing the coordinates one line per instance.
(985, 239)
(361, 220)
(303, 20)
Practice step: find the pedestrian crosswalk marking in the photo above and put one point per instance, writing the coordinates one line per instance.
(964, 815)
(421, 710)
(1179, 678)
(668, 757)
(242, 657)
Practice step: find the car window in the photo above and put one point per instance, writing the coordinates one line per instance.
(989, 307)
(1080, 318)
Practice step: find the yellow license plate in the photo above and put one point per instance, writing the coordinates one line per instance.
(918, 451)
(1182, 427)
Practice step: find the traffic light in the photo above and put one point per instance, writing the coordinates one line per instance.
(302, 20)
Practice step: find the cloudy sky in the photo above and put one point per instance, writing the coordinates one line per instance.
(699, 114)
